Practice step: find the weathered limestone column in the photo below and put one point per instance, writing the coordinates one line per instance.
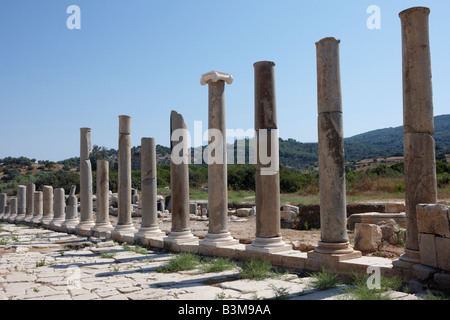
(31, 188)
(418, 124)
(38, 207)
(179, 182)
(3, 202)
(267, 178)
(86, 205)
(47, 214)
(59, 207)
(21, 202)
(149, 226)
(102, 223)
(124, 224)
(12, 210)
(218, 234)
(334, 242)
(72, 218)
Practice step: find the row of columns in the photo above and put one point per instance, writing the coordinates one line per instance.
(334, 245)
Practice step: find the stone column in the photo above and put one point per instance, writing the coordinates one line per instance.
(86, 210)
(267, 178)
(21, 203)
(3, 202)
(102, 223)
(149, 226)
(59, 208)
(47, 214)
(218, 234)
(418, 124)
(334, 242)
(38, 207)
(124, 224)
(13, 210)
(179, 182)
(31, 188)
(72, 218)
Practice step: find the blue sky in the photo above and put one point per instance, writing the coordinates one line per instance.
(144, 58)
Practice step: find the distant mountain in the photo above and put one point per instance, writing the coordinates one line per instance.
(381, 143)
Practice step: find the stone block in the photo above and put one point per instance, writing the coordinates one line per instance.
(423, 272)
(443, 253)
(368, 237)
(442, 280)
(243, 212)
(427, 247)
(433, 219)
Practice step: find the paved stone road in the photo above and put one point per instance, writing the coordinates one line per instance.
(40, 264)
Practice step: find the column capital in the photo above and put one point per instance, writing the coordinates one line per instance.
(214, 76)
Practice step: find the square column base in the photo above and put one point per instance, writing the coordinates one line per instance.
(218, 240)
(123, 233)
(268, 245)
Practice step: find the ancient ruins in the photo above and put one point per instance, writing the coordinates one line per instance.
(427, 253)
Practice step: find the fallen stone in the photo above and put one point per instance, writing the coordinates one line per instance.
(368, 237)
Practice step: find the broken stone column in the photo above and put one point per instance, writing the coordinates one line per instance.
(86, 206)
(124, 224)
(218, 234)
(102, 223)
(47, 214)
(31, 188)
(3, 202)
(267, 178)
(418, 124)
(72, 218)
(38, 207)
(21, 202)
(149, 226)
(334, 242)
(59, 208)
(179, 181)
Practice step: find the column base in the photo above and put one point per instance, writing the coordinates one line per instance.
(408, 259)
(46, 220)
(150, 232)
(84, 227)
(69, 225)
(218, 240)
(36, 220)
(179, 237)
(11, 218)
(19, 218)
(55, 224)
(27, 218)
(335, 251)
(123, 230)
(268, 245)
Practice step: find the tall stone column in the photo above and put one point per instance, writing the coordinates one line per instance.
(3, 202)
(31, 188)
(102, 223)
(218, 234)
(334, 242)
(124, 224)
(418, 124)
(267, 178)
(59, 207)
(47, 214)
(149, 226)
(38, 207)
(21, 202)
(72, 218)
(179, 181)
(86, 205)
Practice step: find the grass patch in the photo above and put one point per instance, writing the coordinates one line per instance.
(256, 269)
(217, 265)
(324, 280)
(108, 255)
(359, 289)
(181, 262)
(135, 248)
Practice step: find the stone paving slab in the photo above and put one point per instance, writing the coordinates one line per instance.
(39, 264)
